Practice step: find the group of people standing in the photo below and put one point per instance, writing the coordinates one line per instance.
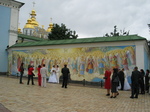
(118, 81)
(42, 75)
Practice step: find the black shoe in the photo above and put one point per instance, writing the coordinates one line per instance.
(111, 96)
(114, 97)
(65, 87)
(136, 97)
(131, 97)
(62, 86)
(107, 94)
(21, 82)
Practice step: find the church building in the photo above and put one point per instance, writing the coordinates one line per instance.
(87, 58)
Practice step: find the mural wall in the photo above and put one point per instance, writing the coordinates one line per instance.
(87, 63)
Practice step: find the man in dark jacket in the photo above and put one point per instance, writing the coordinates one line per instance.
(121, 78)
(135, 83)
(21, 69)
(65, 72)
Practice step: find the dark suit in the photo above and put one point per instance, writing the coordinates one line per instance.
(21, 73)
(65, 71)
(141, 83)
(121, 79)
(135, 83)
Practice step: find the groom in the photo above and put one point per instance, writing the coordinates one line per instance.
(121, 78)
(65, 72)
(135, 83)
(43, 72)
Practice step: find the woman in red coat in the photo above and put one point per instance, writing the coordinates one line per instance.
(107, 81)
(39, 75)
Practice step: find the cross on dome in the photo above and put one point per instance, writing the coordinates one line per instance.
(33, 4)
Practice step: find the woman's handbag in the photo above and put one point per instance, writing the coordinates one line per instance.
(104, 77)
(116, 79)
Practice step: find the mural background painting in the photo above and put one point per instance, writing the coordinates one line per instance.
(84, 63)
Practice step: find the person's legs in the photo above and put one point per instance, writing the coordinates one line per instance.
(28, 80)
(40, 80)
(57, 78)
(32, 80)
(143, 91)
(132, 91)
(122, 84)
(44, 81)
(66, 81)
(108, 92)
(136, 91)
(63, 82)
(21, 74)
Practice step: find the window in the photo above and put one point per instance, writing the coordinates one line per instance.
(30, 32)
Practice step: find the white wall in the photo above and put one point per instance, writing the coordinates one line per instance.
(13, 34)
(139, 55)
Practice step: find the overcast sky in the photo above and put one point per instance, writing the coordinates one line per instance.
(91, 18)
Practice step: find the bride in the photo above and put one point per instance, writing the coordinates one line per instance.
(57, 73)
(53, 75)
(126, 84)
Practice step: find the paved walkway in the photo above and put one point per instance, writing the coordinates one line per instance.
(32, 98)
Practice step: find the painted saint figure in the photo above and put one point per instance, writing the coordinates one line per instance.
(101, 65)
(90, 64)
(82, 66)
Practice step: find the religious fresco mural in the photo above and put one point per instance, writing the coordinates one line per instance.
(87, 63)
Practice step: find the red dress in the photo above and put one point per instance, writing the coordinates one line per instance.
(108, 80)
(39, 76)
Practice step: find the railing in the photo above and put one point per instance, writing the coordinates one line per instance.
(85, 83)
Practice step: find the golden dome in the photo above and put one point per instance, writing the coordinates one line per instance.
(19, 30)
(33, 13)
(34, 22)
(49, 29)
(29, 24)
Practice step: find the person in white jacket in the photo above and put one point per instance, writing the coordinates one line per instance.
(43, 72)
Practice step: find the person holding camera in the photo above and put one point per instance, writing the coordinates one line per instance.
(21, 70)
(30, 74)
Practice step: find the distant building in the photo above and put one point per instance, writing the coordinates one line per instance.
(32, 27)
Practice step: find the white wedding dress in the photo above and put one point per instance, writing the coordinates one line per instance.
(126, 84)
(57, 74)
(53, 77)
